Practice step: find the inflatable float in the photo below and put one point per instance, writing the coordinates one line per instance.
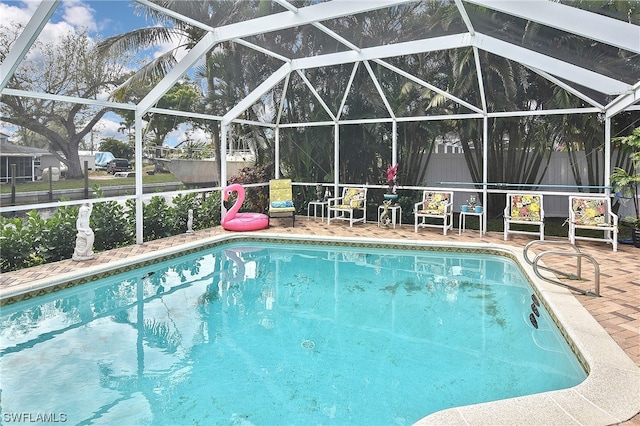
(234, 221)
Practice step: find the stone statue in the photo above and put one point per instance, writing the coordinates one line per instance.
(385, 219)
(85, 237)
(190, 222)
(319, 192)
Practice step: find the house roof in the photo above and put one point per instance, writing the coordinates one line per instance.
(8, 149)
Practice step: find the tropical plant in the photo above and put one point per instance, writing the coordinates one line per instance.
(157, 219)
(256, 199)
(626, 182)
(20, 241)
(59, 235)
(110, 226)
(209, 213)
(181, 206)
(392, 178)
(118, 148)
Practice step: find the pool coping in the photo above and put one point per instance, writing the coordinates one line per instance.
(605, 397)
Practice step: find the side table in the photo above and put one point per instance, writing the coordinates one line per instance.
(395, 211)
(322, 204)
(463, 219)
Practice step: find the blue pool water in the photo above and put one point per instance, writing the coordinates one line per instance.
(266, 334)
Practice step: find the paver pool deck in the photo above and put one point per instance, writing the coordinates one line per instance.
(617, 310)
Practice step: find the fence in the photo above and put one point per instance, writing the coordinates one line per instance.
(448, 167)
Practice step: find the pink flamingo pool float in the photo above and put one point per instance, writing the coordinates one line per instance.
(234, 221)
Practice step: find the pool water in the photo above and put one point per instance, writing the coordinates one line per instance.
(264, 333)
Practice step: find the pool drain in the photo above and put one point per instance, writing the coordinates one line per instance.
(535, 300)
(533, 320)
(534, 309)
(308, 344)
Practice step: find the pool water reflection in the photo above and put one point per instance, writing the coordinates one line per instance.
(277, 334)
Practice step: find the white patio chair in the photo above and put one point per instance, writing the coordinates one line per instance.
(593, 213)
(344, 208)
(436, 205)
(527, 210)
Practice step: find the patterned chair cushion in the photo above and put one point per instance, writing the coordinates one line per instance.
(353, 199)
(589, 212)
(281, 195)
(280, 184)
(281, 204)
(525, 208)
(435, 203)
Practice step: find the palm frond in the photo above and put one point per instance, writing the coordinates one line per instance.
(137, 40)
(153, 71)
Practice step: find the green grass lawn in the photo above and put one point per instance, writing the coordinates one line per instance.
(100, 178)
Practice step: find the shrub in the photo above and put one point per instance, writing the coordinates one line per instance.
(32, 240)
(158, 219)
(20, 241)
(111, 226)
(59, 235)
(209, 212)
(256, 199)
(181, 206)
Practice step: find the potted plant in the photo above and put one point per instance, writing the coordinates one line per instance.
(392, 180)
(626, 183)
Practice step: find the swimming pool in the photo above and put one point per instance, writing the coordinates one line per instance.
(219, 337)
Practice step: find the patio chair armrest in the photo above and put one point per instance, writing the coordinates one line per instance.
(334, 201)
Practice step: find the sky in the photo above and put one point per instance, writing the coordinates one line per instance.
(101, 19)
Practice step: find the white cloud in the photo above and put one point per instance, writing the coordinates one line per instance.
(76, 16)
(18, 12)
(54, 32)
(80, 16)
(196, 135)
(108, 127)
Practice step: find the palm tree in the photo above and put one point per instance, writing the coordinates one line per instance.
(584, 133)
(184, 36)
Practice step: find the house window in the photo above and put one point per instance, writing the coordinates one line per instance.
(24, 169)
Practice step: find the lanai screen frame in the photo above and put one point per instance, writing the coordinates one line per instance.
(582, 23)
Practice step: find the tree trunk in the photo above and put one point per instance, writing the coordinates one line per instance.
(74, 167)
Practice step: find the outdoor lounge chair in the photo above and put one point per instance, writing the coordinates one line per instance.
(526, 210)
(344, 208)
(281, 200)
(593, 213)
(436, 205)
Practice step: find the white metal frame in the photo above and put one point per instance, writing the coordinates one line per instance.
(572, 20)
